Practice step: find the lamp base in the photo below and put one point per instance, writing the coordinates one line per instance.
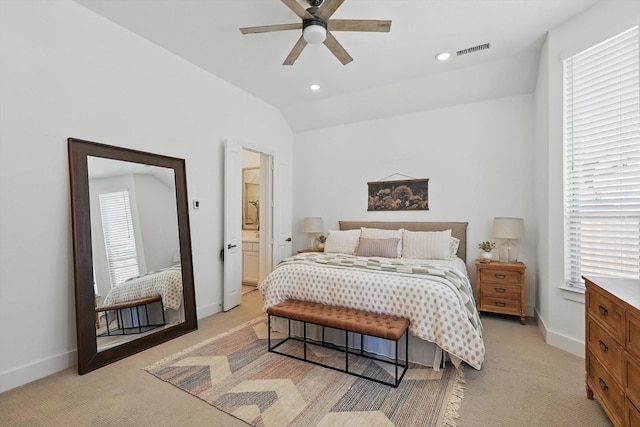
(508, 252)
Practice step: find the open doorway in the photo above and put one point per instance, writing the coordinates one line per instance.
(256, 224)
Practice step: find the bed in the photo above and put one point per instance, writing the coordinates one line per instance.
(397, 268)
(166, 283)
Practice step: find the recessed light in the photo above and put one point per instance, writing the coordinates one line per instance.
(443, 56)
(314, 87)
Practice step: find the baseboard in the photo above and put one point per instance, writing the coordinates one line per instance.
(34, 371)
(208, 310)
(560, 341)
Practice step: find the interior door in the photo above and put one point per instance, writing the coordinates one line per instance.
(232, 225)
(281, 211)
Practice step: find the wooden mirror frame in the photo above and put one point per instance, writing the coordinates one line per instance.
(88, 356)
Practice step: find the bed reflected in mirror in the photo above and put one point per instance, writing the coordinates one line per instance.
(132, 251)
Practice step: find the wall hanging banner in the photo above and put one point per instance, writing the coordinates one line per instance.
(404, 195)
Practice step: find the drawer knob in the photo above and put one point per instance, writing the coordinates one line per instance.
(603, 385)
(500, 276)
(603, 346)
(500, 304)
(603, 310)
(500, 290)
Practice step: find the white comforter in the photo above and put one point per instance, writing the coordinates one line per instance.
(435, 300)
(167, 283)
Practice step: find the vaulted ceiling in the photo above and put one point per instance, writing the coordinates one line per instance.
(391, 73)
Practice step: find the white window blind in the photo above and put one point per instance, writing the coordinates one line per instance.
(119, 238)
(602, 160)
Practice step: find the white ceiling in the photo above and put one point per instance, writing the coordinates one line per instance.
(391, 73)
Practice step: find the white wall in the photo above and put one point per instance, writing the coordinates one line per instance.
(67, 72)
(477, 158)
(562, 312)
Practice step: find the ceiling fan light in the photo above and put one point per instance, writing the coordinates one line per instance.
(443, 56)
(314, 34)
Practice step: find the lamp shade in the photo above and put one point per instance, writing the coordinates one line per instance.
(313, 225)
(508, 228)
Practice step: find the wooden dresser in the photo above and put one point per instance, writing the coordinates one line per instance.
(612, 362)
(500, 288)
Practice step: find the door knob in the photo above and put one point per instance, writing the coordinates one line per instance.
(230, 246)
(288, 240)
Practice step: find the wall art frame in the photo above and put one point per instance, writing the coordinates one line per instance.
(399, 195)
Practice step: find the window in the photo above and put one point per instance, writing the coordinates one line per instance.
(602, 160)
(119, 238)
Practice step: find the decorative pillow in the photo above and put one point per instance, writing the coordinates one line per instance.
(387, 248)
(426, 244)
(453, 246)
(377, 233)
(344, 242)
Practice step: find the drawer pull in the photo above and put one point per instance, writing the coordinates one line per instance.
(603, 385)
(500, 276)
(603, 346)
(500, 290)
(603, 310)
(500, 304)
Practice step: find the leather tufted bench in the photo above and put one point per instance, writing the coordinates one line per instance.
(346, 319)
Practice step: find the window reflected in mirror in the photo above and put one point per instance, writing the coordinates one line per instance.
(251, 199)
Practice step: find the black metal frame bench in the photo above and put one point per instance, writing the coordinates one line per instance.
(352, 321)
(137, 304)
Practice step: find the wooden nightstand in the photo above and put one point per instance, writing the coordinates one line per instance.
(500, 288)
(302, 251)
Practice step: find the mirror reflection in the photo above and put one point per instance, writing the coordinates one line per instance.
(136, 250)
(251, 199)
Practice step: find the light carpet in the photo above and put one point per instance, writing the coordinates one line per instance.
(235, 373)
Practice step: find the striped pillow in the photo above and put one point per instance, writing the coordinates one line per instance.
(387, 248)
(426, 244)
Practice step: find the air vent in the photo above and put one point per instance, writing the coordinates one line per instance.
(473, 49)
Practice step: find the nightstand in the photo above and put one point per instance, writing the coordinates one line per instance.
(500, 288)
(301, 251)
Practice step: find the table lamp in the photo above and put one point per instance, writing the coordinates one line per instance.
(509, 229)
(313, 226)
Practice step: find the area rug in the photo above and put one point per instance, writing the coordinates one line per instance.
(235, 373)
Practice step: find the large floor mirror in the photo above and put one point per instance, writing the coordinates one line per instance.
(132, 251)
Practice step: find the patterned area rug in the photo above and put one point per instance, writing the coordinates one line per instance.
(235, 373)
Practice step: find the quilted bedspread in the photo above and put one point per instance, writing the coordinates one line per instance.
(437, 299)
(167, 283)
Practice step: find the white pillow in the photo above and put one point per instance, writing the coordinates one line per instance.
(377, 233)
(426, 244)
(344, 242)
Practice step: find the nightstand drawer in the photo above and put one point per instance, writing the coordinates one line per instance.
(605, 348)
(501, 291)
(607, 313)
(489, 275)
(500, 305)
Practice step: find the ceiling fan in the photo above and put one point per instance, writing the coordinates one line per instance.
(316, 27)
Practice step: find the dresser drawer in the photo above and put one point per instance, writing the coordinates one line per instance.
(500, 305)
(632, 415)
(501, 291)
(632, 380)
(605, 388)
(500, 276)
(633, 335)
(608, 313)
(605, 348)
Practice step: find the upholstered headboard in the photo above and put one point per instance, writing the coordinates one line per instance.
(458, 229)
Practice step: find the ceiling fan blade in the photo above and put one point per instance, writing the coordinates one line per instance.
(328, 8)
(371, 25)
(269, 28)
(295, 52)
(337, 49)
(297, 9)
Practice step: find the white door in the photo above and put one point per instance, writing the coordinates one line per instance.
(282, 191)
(232, 225)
